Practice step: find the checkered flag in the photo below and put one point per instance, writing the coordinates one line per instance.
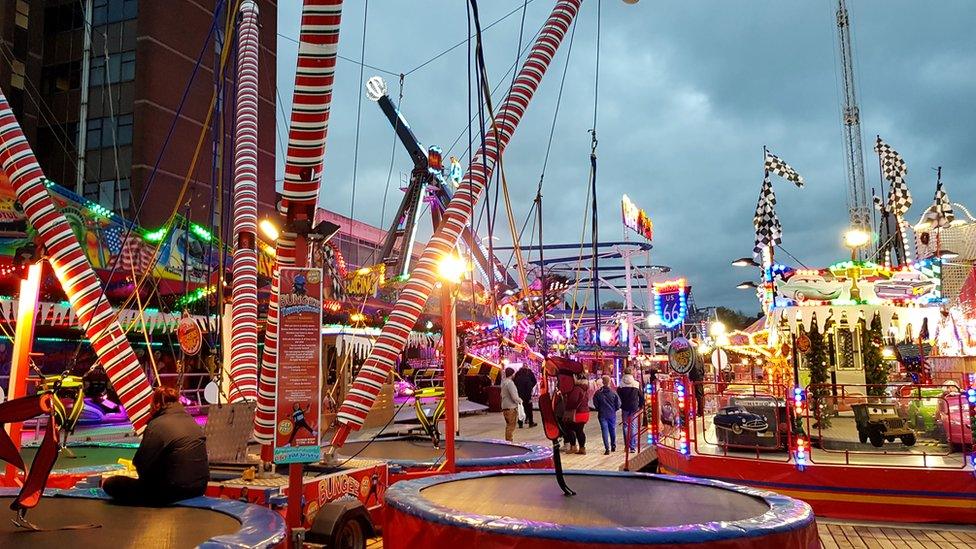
(769, 232)
(775, 164)
(894, 169)
(941, 209)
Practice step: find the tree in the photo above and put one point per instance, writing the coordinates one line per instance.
(817, 361)
(613, 305)
(733, 319)
(876, 368)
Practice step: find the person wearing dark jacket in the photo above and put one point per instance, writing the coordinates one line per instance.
(575, 416)
(171, 459)
(525, 381)
(631, 404)
(607, 403)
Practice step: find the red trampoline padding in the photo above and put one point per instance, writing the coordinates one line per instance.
(612, 510)
(415, 533)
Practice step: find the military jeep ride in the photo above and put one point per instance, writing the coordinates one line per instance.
(880, 422)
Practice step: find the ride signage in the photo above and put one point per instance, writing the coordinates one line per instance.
(298, 391)
(637, 219)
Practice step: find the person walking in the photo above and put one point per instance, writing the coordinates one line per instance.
(631, 404)
(607, 403)
(525, 382)
(510, 403)
(577, 413)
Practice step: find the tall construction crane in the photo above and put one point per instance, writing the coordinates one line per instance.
(857, 202)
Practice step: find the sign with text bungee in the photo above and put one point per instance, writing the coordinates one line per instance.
(298, 391)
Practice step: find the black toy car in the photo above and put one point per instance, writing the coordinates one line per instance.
(737, 419)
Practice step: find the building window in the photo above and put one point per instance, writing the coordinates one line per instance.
(64, 17)
(60, 78)
(22, 17)
(120, 67)
(17, 74)
(113, 11)
(102, 133)
(111, 194)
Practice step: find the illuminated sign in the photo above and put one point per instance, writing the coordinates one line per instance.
(671, 302)
(636, 219)
(508, 314)
(366, 281)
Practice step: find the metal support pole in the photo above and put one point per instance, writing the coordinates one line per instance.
(449, 328)
(23, 342)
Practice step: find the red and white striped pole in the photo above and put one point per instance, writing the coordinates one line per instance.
(244, 308)
(393, 338)
(318, 44)
(74, 272)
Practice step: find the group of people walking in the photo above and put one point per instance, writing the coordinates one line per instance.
(627, 399)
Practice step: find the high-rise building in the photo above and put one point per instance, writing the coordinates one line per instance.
(97, 85)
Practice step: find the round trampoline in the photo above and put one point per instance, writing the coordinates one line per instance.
(621, 510)
(198, 522)
(415, 452)
(87, 456)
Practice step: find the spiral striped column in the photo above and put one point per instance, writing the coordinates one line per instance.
(391, 342)
(318, 45)
(244, 308)
(74, 272)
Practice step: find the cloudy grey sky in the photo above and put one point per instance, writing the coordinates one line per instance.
(690, 92)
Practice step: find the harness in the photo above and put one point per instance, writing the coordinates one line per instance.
(61, 421)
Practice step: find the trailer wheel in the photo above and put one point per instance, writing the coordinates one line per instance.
(908, 440)
(341, 525)
(349, 534)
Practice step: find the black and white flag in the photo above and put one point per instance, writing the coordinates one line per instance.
(894, 169)
(941, 209)
(775, 164)
(769, 232)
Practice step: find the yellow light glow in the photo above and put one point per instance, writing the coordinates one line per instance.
(269, 229)
(451, 268)
(357, 317)
(717, 329)
(364, 270)
(855, 238)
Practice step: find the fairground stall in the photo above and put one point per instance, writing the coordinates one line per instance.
(819, 406)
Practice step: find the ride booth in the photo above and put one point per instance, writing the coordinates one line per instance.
(858, 436)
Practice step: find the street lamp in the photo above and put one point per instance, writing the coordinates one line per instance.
(269, 230)
(856, 239)
(451, 269)
(745, 262)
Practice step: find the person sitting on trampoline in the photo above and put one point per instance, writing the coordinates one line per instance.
(171, 460)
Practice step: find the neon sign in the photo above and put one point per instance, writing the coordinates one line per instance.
(508, 314)
(636, 219)
(671, 302)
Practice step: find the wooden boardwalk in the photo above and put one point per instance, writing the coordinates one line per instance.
(849, 535)
(833, 534)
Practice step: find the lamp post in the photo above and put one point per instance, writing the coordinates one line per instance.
(855, 239)
(718, 331)
(450, 269)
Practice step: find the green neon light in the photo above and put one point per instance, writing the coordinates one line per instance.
(200, 232)
(157, 235)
